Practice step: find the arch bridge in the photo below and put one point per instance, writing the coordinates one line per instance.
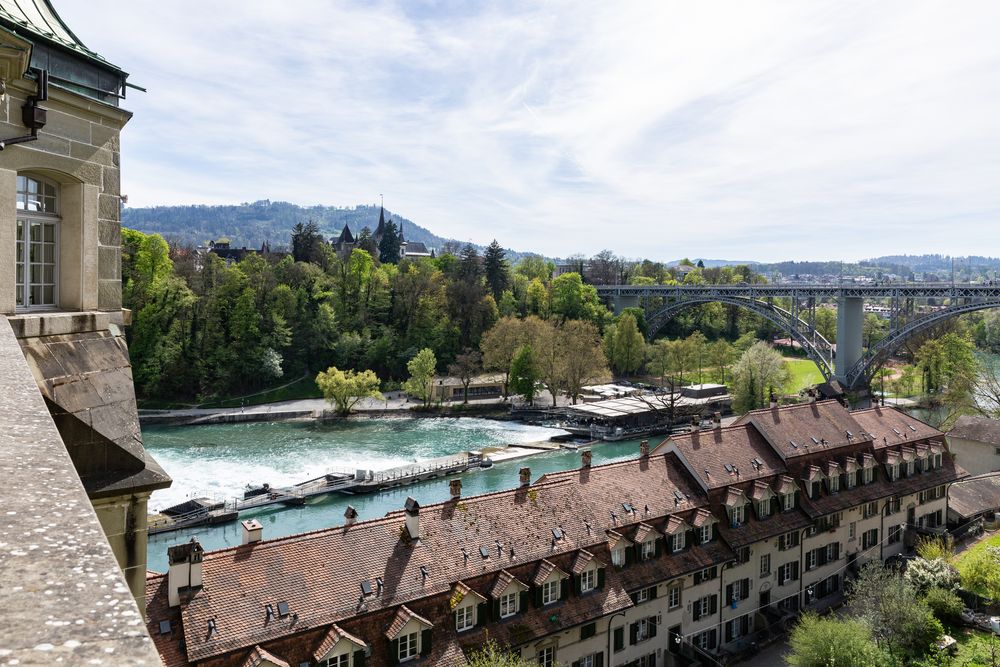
(847, 361)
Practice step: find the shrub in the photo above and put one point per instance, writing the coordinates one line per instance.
(923, 575)
(833, 642)
(946, 605)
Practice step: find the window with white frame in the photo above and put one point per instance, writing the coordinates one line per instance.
(765, 565)
(674, 597)
(337, 661)
(677, 542)
(508, 604)
(550, 591)
(588, 580)
(834, 481)
(408, 646)
(909, 468)
(811, 559)
(648, 549)
(851, 479)
(705, 606)
(735, 628)
(465, 618)
(588, 660)
(736, 515)
(867, 475)
(642, 595)
(764, 508)
(703, 640)
(618, 557)
(706, 533)
(788, 501)
(642, 631)
(894, 471)
(547, 656)
(37, 243)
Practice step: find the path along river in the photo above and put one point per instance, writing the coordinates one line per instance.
(220, 460)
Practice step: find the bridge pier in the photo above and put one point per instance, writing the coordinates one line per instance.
(620, 302)
(850, 334)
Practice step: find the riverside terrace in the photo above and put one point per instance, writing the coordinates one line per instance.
(710, 541)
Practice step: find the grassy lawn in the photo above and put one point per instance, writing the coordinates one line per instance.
(802, 373)
(968, 554)
(976, 648)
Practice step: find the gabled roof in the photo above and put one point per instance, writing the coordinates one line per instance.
(723, 456)
(545, 570)
(333, 637)
(615, 538)
(643, 532)
(582, 561)
(761, 491)
(703, 517)
(503, 582)
(734, 496)
(404, 616)
(812, 427)
(786, 485)
(261, 658)
(462, 590)
(888, 426)
(812, 473)
(675, 525)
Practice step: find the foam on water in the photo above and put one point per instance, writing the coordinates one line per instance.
(218, 461)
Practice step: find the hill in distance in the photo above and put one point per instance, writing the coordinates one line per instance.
(251, 224)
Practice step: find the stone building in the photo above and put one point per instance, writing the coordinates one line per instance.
(975, 442)
(685, 555)
(60, 249)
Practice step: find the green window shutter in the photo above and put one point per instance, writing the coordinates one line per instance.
(575, 663)
(619, 640)
(564, 589)
(599, 659)
(538, 596)
(635, 597)
(713, 638)
(658, 547)
(425, 643)
(715, 604)
(522, 604)
(729, 595)
(651, 623)
(578, 583)
(495, 610)
(652, 592)
(359, 659)
(633, 633)
(697, 578)
(481, 614)
(393, 651)
(600, 577)
(714, 570)
(696, 612)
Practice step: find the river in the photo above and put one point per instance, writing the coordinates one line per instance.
(220, 460)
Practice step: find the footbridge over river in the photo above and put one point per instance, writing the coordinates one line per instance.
(911, 308)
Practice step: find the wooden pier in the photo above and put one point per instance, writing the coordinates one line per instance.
(359, 482)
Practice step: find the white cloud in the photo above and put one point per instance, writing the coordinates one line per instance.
(740, 130)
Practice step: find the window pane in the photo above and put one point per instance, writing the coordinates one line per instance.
(36, 273)
(49, 253)
(50, 233)
(36, 231)
(32, 185)
(48, 274)
(48, 295)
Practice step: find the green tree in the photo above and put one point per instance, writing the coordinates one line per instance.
(421, 367)
(832, 642)
(345, 388)
(720, 355)
(980, 572)
(945, 604)
(759, 371)
(581, 360)
(496, 270)
(628, 347)
(524, 374)
(537, 298)
(490, 654)
(389, 245)
(306, 241)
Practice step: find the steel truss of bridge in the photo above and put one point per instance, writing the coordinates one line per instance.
(848, 361)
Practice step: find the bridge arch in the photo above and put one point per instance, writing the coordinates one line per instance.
(818, 348)
(861, 373)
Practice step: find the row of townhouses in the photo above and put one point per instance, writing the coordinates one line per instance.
(681, 556)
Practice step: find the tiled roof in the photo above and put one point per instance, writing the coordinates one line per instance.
(692, 559)
(261, 658)
(723, 456)
(980, 429)
(332, 638)
(975, 496)
(701, 517)
(503, 582)
(402, 617)
(754, 529)
(761, 490)
(675, 524)
(813, 427)
(546, 568)
(615, 538)
(582, 561)
(786, 484)
(891, 427)
(642, 532)
(462, 589)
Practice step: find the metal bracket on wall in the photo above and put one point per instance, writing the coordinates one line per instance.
(32, 115)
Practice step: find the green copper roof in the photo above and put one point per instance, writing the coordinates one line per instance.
(59, 51)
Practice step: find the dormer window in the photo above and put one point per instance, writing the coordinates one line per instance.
(763, 508)
(788, 501)
(677, 542)
(737, 515)
(706, 533)
(937, 460)
(851, 479)
(834, 482)
(893, 471)
(465, 618)
(551, 591)
(618, 557)
(409, 646)
(648, 549)
(867, 475)
(909, 468)
(588, 580)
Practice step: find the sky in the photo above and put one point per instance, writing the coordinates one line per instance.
(738, 130)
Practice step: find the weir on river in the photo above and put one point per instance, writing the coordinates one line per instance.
(219, 461)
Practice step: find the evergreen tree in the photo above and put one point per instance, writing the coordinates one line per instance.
(388, 246)
(495, 266)
(306, 240)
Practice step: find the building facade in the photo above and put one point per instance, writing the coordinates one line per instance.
(975, 443)
(60, 253)
(685, 555)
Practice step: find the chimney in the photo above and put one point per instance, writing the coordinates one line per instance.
(586, 456)
(253, 531)
(350, 515)
(774, 400)
(717, 419)
(185, 569)
(455, 487)
(644, 449)
(412, 508)
(525, 476)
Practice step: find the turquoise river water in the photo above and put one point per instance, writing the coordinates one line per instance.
(220, 460)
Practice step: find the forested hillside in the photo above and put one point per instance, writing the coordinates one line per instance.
(251, 224)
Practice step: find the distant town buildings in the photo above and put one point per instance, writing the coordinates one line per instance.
(683, 553)
(346, 242)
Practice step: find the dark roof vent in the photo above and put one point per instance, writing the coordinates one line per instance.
(647, 509)
(165, 627)
(557, 534)
(792, 443)
(629, 508)
(499, 548)
(586, 524)
(730, 468)
(366, 588)
(283, 608)
(815, 441)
